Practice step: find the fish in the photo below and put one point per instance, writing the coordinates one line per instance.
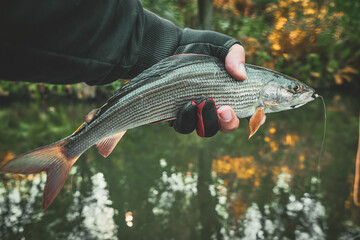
(156, 95)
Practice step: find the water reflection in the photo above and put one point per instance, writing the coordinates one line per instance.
(288, 216)
(169, 186)
(14, 210)
(161, 185)
(96, 215)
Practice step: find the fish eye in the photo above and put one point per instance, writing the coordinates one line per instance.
(295, 88)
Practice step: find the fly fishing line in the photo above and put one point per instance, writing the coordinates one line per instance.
(357, 167)
(323, 139)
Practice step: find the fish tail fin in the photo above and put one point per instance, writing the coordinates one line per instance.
(53, 159)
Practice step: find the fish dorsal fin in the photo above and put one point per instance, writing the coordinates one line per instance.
(107, 145)
(90, 115)
(256, 120)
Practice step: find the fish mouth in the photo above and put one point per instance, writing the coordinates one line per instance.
(297, 105)
(309, 99)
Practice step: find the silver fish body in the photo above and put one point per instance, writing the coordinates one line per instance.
(158, 94)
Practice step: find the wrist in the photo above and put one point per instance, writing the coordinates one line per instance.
(205, 42)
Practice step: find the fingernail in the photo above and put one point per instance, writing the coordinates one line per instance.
(242, 70)
(225, 116)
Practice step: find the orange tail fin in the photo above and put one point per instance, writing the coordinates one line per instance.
(52, 159)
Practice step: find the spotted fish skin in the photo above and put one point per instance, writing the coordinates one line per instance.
(155, 95)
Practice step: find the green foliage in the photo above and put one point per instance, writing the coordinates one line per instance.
(34, 90)
(182, 13)
(314, 41)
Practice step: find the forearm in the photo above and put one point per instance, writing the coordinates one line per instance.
(70, 41)
(96, 42)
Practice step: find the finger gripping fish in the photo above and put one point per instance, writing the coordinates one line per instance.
(157, 95)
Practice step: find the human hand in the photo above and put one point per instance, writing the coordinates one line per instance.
(203, 115)
(235, 65)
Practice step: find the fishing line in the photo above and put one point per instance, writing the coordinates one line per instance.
(323, 140)
(357, 167)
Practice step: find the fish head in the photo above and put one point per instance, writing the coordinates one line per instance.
(285, 93)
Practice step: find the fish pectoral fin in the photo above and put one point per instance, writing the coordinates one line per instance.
(53, 159)
(256, 120)
(107, 145)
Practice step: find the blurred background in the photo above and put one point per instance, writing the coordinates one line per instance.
(158, 184)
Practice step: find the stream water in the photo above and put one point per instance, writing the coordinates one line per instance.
(158, 184)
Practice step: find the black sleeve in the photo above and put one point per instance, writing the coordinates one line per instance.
(69, 41)
(91, 41)
(161, 39)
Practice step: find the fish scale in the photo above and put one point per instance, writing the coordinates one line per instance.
(161, 99)
(158, 94)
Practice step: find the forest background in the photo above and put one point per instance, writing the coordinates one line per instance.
(315, 41)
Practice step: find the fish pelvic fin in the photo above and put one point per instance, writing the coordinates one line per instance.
(256, 120)
(107, 145)
(52, 159)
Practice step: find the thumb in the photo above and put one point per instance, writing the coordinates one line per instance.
(228, 119)
(235, 62)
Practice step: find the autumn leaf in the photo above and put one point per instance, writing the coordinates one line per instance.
(315, 74)
(346, 77)
(338, 79)
(349, 69)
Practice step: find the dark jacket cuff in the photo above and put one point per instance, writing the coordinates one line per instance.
(205, 42)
